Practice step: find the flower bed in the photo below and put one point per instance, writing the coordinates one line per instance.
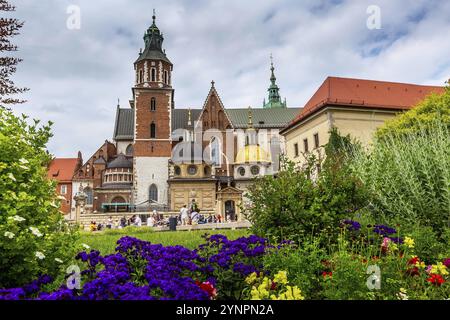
(251, 268)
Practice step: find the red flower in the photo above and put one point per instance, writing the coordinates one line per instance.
(327, 274)
(208, 287)
(273, 286)
(413, 272)
(436, 279)
(414, 260)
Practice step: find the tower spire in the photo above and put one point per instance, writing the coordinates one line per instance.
(274, 90)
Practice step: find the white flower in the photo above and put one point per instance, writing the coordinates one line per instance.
(39, 255)
(85, 246)
(23, 161)
(58, 260)
(11, 176)
(9, 234)
(17, 218)
(24, 167)
(35, 231)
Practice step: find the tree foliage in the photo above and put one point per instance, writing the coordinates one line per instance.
(301, 202)
(34, 239)
(9, 27)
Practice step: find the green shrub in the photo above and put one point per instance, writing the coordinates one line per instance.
(408, 177)
(33, 237)
(299, 202)
(303, 265)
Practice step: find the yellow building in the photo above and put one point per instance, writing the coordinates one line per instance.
(353, 106)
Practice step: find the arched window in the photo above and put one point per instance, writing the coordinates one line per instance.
(89, 196)
(153, 193)
(153, 130)
(215, 151)
(166, 78)
(141, 76)
(153, 104)
(153, 74)
(129, 150)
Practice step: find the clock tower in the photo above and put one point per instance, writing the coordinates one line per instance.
(153, 97)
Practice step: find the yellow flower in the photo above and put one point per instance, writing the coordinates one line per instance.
(409, 242)
(420, 264)
(281, 277)
(251, 278)
(291, 293)
(439, 268)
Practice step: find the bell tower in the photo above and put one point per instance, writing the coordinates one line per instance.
(153, 103)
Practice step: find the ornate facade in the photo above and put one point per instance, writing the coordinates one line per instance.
(163, 157)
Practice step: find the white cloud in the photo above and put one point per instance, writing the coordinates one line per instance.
(76, 76)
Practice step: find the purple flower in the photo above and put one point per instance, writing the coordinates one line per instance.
(352, 225)
(383, 230)
(446, 262)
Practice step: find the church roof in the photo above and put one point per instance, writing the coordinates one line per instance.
(124, 126)
(180, 118)
(121, 161)
(262, 118)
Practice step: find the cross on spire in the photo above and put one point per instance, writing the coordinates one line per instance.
(212, 83)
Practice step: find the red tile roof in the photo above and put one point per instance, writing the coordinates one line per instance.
(62, 169)
(365, 94)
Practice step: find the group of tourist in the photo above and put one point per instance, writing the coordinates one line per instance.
(191, 215)
(187, 216)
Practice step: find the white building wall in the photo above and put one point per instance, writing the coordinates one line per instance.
(122, 146)
(148, 171)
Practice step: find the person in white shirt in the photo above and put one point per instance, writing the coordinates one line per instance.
(184, 213)
(151, 221)
(137, 221)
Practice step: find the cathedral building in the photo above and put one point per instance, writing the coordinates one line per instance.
(163, 157)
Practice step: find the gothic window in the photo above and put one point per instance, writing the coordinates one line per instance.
(153, 74)
(153, 104)
(215, 151)
(153, 130)
(129, 150)
(166, 80)
(153, 193)
(89, 196)
(141, 76)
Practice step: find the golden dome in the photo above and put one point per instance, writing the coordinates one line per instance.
(252, 153)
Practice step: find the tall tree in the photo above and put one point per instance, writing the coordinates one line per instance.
(9, 27)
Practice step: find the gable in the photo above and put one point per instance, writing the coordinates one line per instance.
(213, 113)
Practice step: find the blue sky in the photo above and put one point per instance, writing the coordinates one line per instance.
(76, 76)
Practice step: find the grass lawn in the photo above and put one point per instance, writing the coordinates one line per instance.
(105, 241)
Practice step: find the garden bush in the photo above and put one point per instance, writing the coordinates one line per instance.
(300, 202)
(34, 240)
(408, 177)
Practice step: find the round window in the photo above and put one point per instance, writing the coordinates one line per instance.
(254, 170)
(177, 171)
(241, 171)
(192, 170)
